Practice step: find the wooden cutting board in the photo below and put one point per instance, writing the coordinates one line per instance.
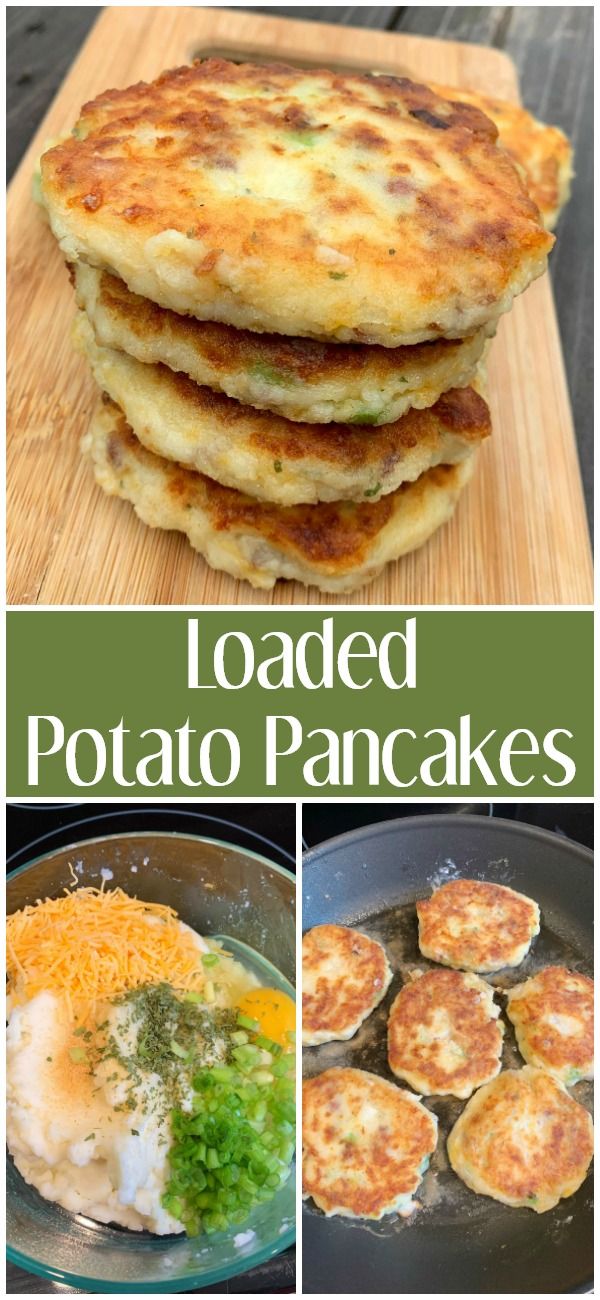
(519, 535)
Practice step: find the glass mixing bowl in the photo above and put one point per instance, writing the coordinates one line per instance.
(219, 890)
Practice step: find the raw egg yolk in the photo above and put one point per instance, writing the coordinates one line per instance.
(275, 1013)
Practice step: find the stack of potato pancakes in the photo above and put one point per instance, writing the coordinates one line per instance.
(286, 281)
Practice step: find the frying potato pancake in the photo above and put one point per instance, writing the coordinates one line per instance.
(522, 1140)
(553, 1016)
(301, 379)
(335, 546)
(543, 152)
(340, 206)
(366, 1144)
(270, 457)
(345, 975)
(444, 1036)
(474, 925)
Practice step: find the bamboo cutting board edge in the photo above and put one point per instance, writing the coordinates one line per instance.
(89, 549)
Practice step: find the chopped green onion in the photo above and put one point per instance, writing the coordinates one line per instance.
(210, 959)
(223, 1073)
(262, 1076)
(271, 375)
(233, 1149)
(305, 137)
(268, 1045)
(193, 997)
(239, 1037)
(247, 1052)
(284, 1064)
(174, 1206)
(365, 417)
(245, 1022)
(178, 1051)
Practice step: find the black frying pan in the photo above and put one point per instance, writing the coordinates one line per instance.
(457, 1242)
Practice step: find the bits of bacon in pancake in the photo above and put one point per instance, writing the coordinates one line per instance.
(345, 975)
(553, 1016)
(366, 1144)
(335, 205)
(475, 925)
(302, 379)
(444, 1036)
(522, 1140)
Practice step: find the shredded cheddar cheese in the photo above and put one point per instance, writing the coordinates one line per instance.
(92, 944)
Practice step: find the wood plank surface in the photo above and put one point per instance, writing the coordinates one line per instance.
(519, 535)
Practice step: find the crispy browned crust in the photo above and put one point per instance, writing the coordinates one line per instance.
(542, 151)
(337, 548)
(473, 1032)
(282, 461)
(460, 411)
(431, 249)
(490, 1144)
(308, 360)
(383, 1164)
(341, 999)
(200, 81)
(333, 534)
(512, 921)
(559, 992)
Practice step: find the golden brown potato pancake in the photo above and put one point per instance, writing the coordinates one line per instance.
(301, 379)
(366, 1144)
(340, 206)
(273, 458)
(476, 925)
(553, 1016)
(345, 975)
(336, 546)
(543, 152)
(444, 1036)
(522, 1140)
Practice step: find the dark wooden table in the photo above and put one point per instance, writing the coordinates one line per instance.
(553, 51)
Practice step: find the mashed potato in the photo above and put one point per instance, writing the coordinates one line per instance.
(63, 1129)
(67, 1139)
